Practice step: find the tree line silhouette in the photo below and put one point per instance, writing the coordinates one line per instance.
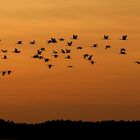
(65, 129)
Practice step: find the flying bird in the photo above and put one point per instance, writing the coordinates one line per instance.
(68, 50)
(85, 55)
(53, 40)
(4, 51)
(32, 42)
(55, 55)
(42, 49)
(19, 42)
(94, 45)
(90, 57)
(9, 72)
(124, 37)
(63, 51)
(35, 56)
(70, 66)
(138, 62)
(3, 73)
(79, 48)
(49, 66)
(46, 59)
(75, 37)
(55, 52)
(68, 57)
(106, 37)
(108, 46)
(61, 39)
(40, 57)
(49, 41)
(122, 52)
(39, 52)
(122, 49)
(16, 50)
(69, 43)
(92, 62)
(4, 57)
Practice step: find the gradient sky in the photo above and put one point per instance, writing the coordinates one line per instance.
(108, 90)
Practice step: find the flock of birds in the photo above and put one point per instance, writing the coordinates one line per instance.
(38, 55)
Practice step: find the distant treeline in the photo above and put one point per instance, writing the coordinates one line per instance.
(65, 129)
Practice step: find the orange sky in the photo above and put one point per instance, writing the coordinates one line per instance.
(107, 90)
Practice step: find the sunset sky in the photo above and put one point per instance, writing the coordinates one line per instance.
(110, 89)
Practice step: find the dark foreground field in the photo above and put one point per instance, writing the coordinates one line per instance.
(67, 129)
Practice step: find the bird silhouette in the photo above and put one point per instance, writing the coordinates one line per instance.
(124, 37)
(42, 49)
(122, 52)
(122, 49)
(35, 56)
(85, 55)
(61, 39)
(55, 55)
(9, 72)
(68, 50)
(3, 73)
(16, 50)
(68, 57)
(75, 37)
(55, 52)
(108, 46)
(49, 66)
(4, 51)
(106, 37)
(46, 59)
(39, 52)
(32, 42)
(4, 57)
(90, 57)
(94, 45)
(138, 62)
(40, 57)
(63, 51)
(49, 41)
(70, 66)
(92, 62)
(79, 48)
(69, 43)
(19, 42)
(53, 40)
